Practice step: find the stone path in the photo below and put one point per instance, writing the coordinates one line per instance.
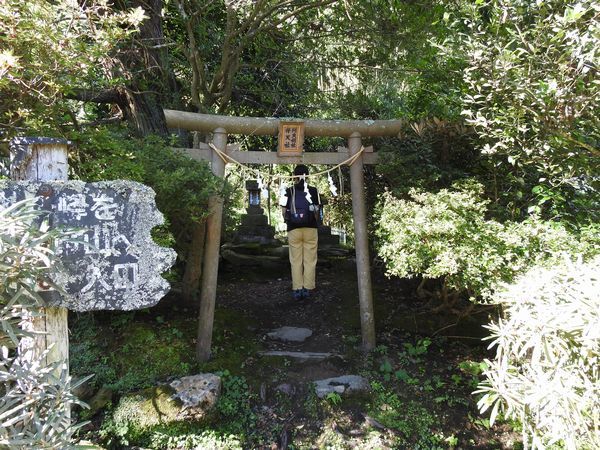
(344, 384)
(290, 334)
(310, 338)
(298, 355)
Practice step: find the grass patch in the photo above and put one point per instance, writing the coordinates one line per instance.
(126, 354)
(234, 341)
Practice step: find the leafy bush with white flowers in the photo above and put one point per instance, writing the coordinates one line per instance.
(545, 373)
(35, 397)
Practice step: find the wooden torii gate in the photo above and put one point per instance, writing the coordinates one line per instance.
(221, 126)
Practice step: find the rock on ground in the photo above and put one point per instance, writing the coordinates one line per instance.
(102, 398)
(198, 391)
(189, 398)
(290, 334)
(287, 389)
(342, 385)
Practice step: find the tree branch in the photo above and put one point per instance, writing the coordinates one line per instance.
(261, 17)
(227, 52)
(193, 56)
(89, 95)
(293, 13)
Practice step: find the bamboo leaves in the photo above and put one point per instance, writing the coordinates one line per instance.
(35, 403)
(545, 372)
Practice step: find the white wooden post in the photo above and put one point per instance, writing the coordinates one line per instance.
(210, 270)
(363, 269)
(46, 160)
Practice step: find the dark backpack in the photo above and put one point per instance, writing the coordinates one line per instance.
(299, 211)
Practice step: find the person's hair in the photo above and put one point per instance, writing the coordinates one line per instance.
(301, 169)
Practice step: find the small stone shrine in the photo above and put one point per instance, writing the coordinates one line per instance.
(255, 226)
(254, 244)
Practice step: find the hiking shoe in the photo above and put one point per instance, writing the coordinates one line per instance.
(297, 294)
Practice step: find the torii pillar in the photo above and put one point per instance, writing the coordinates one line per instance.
(210, 271)
(361, 241)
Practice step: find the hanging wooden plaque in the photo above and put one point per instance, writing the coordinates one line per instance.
(291, 138)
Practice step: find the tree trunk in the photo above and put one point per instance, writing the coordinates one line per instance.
(144, 112)
(150, 83)
(193, 265)
(143, 97)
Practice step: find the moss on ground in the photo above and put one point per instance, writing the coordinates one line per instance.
(149, 354)
(146, 409)
(234, 342)
(152, 418)
(126, 354)
(128, 351)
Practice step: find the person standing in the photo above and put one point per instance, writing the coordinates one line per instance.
(301, 208)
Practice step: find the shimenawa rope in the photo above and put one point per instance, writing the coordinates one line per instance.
(270, 177)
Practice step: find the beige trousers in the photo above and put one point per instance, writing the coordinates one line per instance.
(303, 244)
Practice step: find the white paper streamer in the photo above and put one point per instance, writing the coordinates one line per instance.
(264, 192)
(332, 187)
(282, 197)
(306, 191)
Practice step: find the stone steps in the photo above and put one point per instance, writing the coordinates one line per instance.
(302, 356)
(341, 385)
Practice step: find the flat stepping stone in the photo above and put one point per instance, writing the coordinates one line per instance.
(298, 355)
(344, 384)
(290, 334)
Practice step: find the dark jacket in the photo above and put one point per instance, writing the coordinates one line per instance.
(313, 223)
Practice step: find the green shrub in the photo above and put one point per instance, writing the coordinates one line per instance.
(532, 97)
(35, 397)
(545, 373)
(207, 439)
(105, 154)
(234, 405)
(112, 154)
(182, 185)
(440, 236)
(409, 164)
(414, 422)
(446, 236)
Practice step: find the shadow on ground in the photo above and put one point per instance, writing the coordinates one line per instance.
(421, 374)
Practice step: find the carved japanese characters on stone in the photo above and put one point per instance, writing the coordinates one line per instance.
(109, 260)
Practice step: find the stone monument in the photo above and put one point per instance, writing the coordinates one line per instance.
(255, 228)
